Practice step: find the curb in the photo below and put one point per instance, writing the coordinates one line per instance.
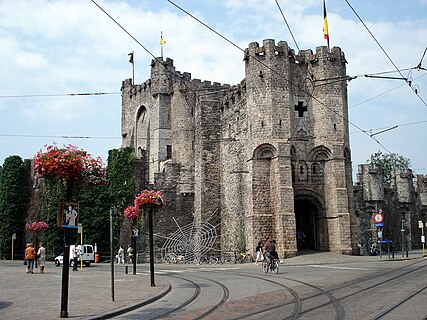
(119, 311)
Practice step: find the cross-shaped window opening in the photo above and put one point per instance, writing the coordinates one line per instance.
(300, 108)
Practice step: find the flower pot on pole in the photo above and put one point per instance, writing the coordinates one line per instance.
(69, 165)
(147, 203)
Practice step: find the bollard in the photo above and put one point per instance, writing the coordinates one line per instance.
(126, 269)
(407, 253)
(392, 254)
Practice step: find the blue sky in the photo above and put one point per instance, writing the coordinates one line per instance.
(48, 48)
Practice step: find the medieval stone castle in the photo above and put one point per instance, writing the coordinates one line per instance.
(267, 157)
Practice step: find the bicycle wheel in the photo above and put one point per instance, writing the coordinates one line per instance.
(265, 265)
(213, 260)
(275, 266)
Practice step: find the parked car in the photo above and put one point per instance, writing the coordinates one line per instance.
(86, 253)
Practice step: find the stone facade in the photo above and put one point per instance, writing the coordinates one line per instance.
(263, 158)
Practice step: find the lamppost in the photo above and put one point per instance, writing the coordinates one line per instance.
(403, 235)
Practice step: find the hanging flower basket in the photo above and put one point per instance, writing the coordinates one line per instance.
(36, 226)
(132, 213)
(69, 163)
(146, 200)
(149, 199)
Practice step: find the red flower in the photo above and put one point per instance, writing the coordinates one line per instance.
(149, 197)
(132, 213)
(36, 226)
(69, 163)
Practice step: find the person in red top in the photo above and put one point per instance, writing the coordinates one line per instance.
(30, 257)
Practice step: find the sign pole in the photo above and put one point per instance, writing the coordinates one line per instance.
(13, 240)
(80, 230)
(423, 238)
(403, 236)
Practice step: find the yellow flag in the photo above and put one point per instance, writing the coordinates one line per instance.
(162, 41)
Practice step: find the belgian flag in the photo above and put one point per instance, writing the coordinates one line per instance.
(325, 24)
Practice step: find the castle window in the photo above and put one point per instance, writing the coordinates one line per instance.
(300, 108)
(168, 152)
(301, 169)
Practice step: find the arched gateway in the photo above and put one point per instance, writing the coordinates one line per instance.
(310, 220)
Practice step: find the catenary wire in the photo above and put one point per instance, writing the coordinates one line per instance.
(59, 95)
(381, 94)
(289, 28)
(277, 73)
(394, 65)
(53, 136)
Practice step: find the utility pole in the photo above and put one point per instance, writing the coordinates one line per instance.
(403, 236)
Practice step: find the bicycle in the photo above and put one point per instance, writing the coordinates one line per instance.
(245, 257)
(270, 264)
(209, 260)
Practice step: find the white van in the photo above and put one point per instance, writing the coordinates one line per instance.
(86, 253)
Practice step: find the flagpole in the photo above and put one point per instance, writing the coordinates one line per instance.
(162, 42)
(325, 25)
(131, 60)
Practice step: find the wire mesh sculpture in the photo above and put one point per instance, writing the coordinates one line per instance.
(189, 243)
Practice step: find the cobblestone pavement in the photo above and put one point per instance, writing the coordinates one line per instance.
(25, 296)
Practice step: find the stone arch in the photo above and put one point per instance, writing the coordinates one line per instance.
(142, 133)
(310, 218)
(264, 152)
(263, 187)
(318, 157)
(319, 154)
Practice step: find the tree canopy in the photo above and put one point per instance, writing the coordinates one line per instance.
(389, 162)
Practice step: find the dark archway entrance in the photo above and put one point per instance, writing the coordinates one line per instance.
(307, 219)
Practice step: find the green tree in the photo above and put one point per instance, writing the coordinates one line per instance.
(53, 236)
(94, 210)
(15, 186)
(389, 163)
(121, 183)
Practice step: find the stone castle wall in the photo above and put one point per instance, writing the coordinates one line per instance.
(248, 158)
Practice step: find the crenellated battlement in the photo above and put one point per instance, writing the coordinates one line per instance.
(270, 50)
(267, 50)
(234, 95)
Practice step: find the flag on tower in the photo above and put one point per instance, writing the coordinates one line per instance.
(325, 24)
(162, 41)
(130, 57)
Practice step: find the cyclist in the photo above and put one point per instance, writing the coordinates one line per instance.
(270, 250)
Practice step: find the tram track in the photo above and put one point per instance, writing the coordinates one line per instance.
(330, 300)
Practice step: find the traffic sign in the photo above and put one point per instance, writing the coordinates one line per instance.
(381, 224)
(378, 217)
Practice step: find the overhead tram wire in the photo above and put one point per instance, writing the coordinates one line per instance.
(397, 69)
(381, 94)
(58, 95)
(289, 28)
(60, 137)
(148, 51)
(276, 72)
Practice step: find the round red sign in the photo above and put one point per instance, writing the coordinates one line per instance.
(378, 217)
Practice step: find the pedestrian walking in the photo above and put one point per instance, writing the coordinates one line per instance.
(30, 257)
(121, 256)
(41, 256)
(130, 253)
(75, 252)
(259, 253)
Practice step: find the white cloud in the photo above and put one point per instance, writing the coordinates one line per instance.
(72, 46)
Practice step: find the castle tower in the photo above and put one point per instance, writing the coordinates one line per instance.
(296, 145)
(146, 124)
